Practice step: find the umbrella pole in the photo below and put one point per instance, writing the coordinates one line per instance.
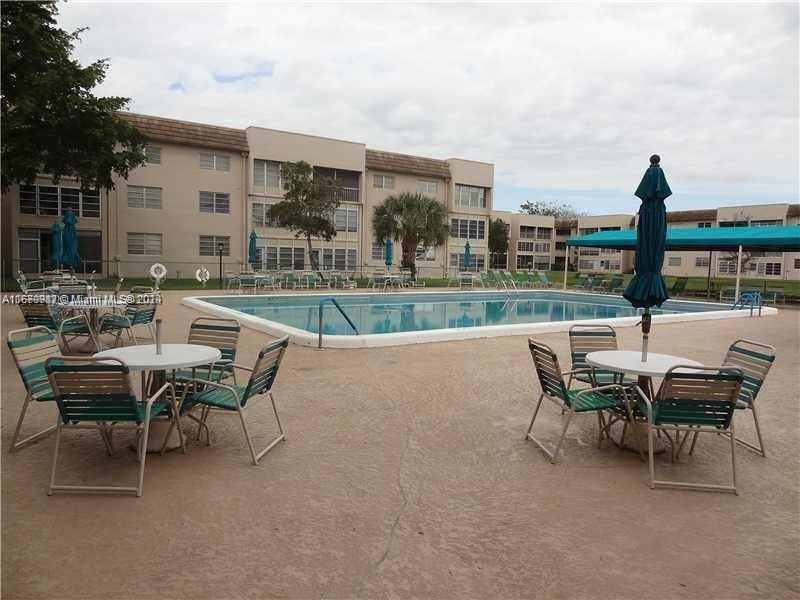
(566, 266)
(738, 274)
(708, 279)
(645, 333)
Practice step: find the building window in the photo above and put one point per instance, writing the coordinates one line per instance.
(470, 196)
(427, 187)
(426, 253)
(208, 245)
(384, 182)
(733, 223)
(212, 161)
(701, 262)
(704, 225)
(766, 223)
(149, 244)
(769, 268)
(468, 229)
(726, 267)
(674, 261)
(215, 202)
(377, 251)
(153, 154)
(797, 263)
(563, 231)
(140, 196)
(561, 245)
(260, 215)
(267, 175)
(346, 219)
(339, 259)
(285, 258)
(476, 261)
(53, 201)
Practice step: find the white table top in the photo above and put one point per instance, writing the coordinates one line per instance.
(630, 361)
(173, 356)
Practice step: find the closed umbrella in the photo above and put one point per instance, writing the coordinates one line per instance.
(252, 251)
(56, 245)
(70, 255)
(467, 256)
(647, 288)
(389, 248)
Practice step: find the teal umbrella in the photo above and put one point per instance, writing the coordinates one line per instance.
(467, 256)
(69, 255)
(389, 248)
(252, 251)
(647, 288)
(56, 246)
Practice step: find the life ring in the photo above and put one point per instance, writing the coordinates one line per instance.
(202, 275)
(158, 271)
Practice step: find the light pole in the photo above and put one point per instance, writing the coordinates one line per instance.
(220, 247)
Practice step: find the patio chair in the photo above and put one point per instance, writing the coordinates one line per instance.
(312, 281)
(31, 347)
(615, 285)
(216, 396)
(73, 291)
(596, 284)
(222, 334)
(755, 360)
(230, 280)
(727, 294)
(54, 318)
(611, 397)
(543, 280)
(377, 280)
(268, 281)
(247, 281)
(97, 394)
(135, 315)
(292, 282)
(694, 400)
(580, 281)
(593, 338)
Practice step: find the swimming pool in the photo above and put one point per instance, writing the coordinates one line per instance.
(385, 319)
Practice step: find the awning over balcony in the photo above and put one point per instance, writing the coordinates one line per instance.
(784, 238)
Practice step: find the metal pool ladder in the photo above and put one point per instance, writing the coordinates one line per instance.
(344, 314)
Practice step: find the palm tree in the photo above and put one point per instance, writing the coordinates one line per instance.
(412, 219)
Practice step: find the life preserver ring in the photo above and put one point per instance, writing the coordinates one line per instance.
(202, 275)
(158, 271)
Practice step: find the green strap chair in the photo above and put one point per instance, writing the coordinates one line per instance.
(615, 286)
(693, 400)
(97, 394)
(222, 334)
(679, 287)
(755, 359)
(31, 347)
(53, 317)
(135, 315)
(584, 339)
(219, 397)
(612, 397)
(544, 281)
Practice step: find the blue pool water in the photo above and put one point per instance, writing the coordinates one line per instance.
(405, 311)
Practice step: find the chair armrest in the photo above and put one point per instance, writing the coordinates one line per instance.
(80, 317)
(577, 371)
(154, 397)
(241, 367)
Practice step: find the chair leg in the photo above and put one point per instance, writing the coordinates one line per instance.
(142, 456)
(651, 462)
(247, 435)
(16, 445)
(732, 435)
(760, 448)
(536, 412)
(561, 439)
(277, 418)
(55, 460)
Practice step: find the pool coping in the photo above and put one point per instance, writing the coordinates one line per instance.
(371, 340)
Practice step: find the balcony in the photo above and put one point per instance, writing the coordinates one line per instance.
(347, 194)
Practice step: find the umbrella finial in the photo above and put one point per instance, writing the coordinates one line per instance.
(655, 160)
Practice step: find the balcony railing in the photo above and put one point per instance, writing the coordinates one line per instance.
(347, 194)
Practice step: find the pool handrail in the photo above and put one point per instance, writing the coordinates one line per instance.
(344, 314)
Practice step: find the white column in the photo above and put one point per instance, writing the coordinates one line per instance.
(738, 273)
(566, 267)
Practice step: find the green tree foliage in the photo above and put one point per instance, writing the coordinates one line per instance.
(498, 236)
(412, 219)
(51, 121)
(559, 210)
(308, 204)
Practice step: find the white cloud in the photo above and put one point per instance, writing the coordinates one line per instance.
(557, 96)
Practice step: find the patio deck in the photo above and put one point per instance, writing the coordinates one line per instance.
(406, 473)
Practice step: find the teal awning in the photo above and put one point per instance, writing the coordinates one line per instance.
(784, 238)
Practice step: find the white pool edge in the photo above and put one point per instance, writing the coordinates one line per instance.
(373, 340)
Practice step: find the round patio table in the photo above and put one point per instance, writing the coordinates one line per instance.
(173, 356)
(630, 362)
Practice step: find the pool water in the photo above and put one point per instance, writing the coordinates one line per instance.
(405, 311)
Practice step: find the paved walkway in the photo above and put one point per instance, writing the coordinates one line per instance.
(406, 474)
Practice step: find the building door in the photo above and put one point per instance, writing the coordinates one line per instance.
(29, 254)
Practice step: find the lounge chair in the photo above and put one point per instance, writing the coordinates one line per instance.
(679, 287)
(544, 281)
(31, 347)
(596, 284)
(522, 280)
(694, 400)
(615, 285)
(97, 394)
(571, 401)
(579, 281)
(215, 396)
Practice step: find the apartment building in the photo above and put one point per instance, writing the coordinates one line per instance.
(602, 260)
(531, 243)
(205, 188)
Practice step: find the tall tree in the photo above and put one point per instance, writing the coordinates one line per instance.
(308, 205)
(51, 121)
(559, 210)
(498, 236)
(412, 219)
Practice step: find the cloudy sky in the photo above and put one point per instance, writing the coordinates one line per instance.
(568, 101)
